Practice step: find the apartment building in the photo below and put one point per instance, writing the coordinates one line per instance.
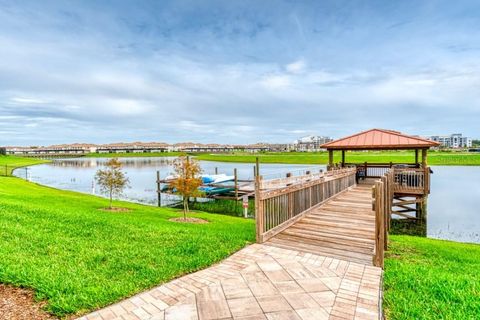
(310, 143)
(456, 140)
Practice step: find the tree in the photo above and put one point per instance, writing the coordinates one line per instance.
(112, 180)
(187, 180)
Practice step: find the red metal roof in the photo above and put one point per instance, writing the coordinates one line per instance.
(379, 139)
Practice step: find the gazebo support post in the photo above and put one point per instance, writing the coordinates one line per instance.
(330, 158)
(424, 158)
(343, 158)
(416, 156)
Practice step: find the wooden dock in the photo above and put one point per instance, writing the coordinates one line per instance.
(342, 228)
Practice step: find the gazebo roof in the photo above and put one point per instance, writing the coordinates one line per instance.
(379, 139)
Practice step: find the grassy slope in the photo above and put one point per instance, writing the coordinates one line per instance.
(13, 162)
(80, 258)
(434, 158)
(432, 279)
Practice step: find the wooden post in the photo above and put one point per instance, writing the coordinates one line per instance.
(426, 180)
(366, 167)
(343, 158)
(385, 211)
(216, 170)
(416, 156)
(330, 158)
(424, 157)
(159, 193)
(377, 191)
(259, 218)
(235, 182)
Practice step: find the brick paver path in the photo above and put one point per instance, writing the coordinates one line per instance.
(260, 282)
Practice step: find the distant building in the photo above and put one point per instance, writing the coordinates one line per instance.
(453, 141)
(310, 143)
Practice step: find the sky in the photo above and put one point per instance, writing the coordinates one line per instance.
(235, 71)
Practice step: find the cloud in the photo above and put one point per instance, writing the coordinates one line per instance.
(234, 72)
(276, 81)
(296, 67)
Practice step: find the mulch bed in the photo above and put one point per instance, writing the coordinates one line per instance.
(19, 304)
(189, 220)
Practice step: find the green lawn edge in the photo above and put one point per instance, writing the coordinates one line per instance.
(79, 258)
(431, 279)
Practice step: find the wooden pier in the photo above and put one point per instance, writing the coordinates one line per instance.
(346, 212)
(343, 228)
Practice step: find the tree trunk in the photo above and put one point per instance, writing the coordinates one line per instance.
(185, 204)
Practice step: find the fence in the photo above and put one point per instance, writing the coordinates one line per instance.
(6, 170)
(382, 193)
(278, 208)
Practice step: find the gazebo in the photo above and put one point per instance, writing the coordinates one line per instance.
(380, 139)
(411, 180)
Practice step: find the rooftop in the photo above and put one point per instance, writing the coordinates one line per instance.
(380, 139)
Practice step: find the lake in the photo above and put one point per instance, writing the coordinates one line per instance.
(452, 212)
(77, 174)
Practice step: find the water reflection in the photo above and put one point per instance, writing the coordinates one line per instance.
(77, 174)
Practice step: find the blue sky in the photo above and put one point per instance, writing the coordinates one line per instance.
(235, 71)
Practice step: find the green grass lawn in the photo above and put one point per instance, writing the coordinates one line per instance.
(8, 163)
(434, 157)
(431, 279)
(80, 258)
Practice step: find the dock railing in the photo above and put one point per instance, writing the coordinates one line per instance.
(280, 203)
(408, 178)
(412, 180)
(382, 193)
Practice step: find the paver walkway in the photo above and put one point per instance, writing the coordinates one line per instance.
(261, 282)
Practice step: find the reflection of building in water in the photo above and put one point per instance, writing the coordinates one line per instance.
(126, 162)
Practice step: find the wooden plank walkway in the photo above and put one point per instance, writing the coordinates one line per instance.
(342, 228)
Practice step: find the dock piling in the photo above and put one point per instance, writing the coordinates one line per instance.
(159, 191)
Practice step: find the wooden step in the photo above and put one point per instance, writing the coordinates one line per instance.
(349, 214)
(339, 230)
(338, 254)
(342, 219)
(325, 244)
(337, 224)
(331, 237)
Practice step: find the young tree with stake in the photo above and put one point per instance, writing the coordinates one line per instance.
(187, 180)
(112, 179)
